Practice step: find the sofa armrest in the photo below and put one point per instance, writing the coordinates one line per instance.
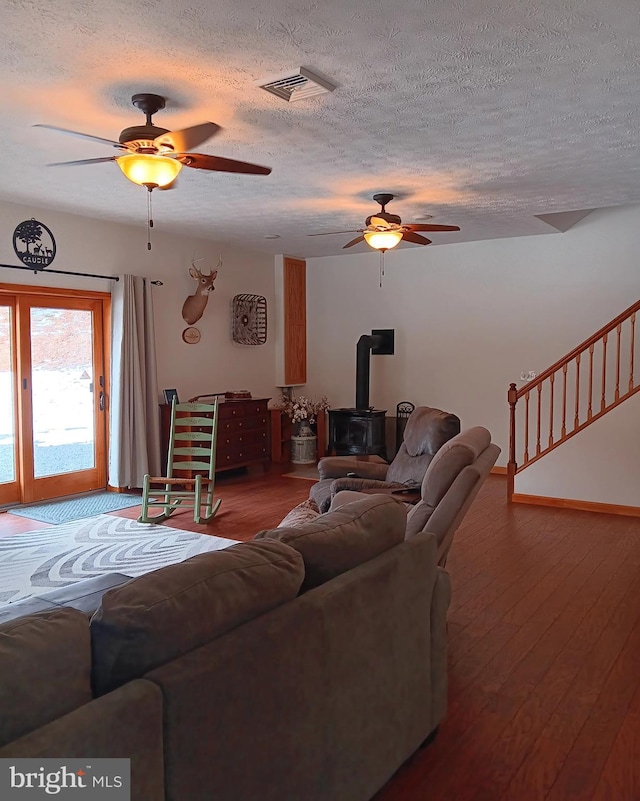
(340, 466)
(124, 723)
(344, 497)
(359, 484)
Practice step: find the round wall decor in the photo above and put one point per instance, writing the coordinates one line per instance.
(191, 335)
(34, 244)
(249, 319)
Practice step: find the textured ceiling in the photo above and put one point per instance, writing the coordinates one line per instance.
(480, 113)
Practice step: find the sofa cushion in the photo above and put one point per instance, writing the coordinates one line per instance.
(164, 614)
(45, 669)
(340, 540)
(303, 513)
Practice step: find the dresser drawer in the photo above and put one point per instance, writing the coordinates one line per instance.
(257, 421)
(255, 408)
(242, 424)
(241, 455)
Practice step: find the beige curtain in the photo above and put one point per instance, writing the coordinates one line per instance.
(134, 439)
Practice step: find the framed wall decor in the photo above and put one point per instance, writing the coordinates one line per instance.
(39, 244)
(249, 319)
(191, 335)
(169, 395)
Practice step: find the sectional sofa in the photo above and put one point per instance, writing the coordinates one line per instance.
(306, 665)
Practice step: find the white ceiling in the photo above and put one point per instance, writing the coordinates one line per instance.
(480, 113)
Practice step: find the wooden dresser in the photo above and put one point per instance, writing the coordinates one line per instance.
(243, 433)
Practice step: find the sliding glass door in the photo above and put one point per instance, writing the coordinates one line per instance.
(9, 483)
(52, 396)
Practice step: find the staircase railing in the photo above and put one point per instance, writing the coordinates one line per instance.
(574, 392)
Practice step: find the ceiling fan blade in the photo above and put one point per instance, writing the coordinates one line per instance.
(81, 161)
(83, 136)
(187, 138)
(378, 222)
(422, 227)
(416, 238)
(217, 163)
(327, 233)
(353, 242)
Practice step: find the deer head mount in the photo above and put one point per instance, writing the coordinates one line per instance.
(194, 306)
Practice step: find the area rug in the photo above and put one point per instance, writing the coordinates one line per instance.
(309, 473)
(53, 557)
(76, 508)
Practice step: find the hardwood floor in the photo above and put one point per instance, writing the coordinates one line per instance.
(251, 501)
(544, 660)
(544, 647)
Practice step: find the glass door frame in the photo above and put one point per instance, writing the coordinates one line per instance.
(24, 298)
(10, 491)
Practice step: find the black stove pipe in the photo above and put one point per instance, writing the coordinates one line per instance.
(363, 368)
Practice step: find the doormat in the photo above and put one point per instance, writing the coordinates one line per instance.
(69, 509)
(37, 561)
(308, 473)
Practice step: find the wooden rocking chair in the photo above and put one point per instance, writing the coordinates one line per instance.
(192, 434)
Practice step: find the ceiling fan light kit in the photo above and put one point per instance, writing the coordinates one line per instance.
(154, 156)
(149, 170)
(383, 240)
(384, 230)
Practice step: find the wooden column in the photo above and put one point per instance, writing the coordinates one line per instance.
(295, 321)
(512, 398)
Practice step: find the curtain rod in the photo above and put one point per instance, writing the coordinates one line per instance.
(66, 272)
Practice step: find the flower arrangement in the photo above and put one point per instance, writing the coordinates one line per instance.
(303, 410)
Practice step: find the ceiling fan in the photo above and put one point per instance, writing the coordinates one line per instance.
(152, 156)
(384, 230)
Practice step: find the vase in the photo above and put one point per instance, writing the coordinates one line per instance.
(304, 450)
(301, 428)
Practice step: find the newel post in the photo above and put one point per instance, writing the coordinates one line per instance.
(512, 397)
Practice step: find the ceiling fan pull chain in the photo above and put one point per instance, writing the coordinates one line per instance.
(149, 218)
(381, 267)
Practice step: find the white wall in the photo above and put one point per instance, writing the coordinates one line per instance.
(216, 363)
(469, 318)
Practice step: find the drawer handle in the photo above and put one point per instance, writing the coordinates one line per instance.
(239, 439)
(228, 441)
(228, 457)
(239, 425)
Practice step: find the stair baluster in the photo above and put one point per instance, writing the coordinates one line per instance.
(583, 407)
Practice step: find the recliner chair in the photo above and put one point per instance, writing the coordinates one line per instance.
(450, 484)
(426, 432)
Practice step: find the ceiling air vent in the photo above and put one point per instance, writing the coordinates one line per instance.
(296, 84)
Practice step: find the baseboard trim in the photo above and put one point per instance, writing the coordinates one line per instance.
(499, 471)
(582, 506)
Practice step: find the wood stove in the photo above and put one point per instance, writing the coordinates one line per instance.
(357, 432)
(361, 431)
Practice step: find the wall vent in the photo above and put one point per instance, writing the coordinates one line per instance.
(296, 84)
